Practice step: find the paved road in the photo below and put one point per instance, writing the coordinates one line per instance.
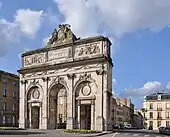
(61, 133)
(137, 135)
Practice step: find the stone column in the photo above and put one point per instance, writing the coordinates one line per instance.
(30, 115)
(92, 115)
(79, 114)
(22, 105)
(99, 100)
(43, 108)
(105, 109)
(70, 102)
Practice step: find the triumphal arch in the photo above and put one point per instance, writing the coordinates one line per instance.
(67, 83)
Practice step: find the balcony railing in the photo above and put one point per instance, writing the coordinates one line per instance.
(159, 109)
(159, 118)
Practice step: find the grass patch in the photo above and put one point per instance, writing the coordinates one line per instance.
(10, 128)
(81, 131)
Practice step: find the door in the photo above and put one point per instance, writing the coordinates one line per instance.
(35, 115)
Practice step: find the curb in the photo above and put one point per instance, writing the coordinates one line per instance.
(136, 131)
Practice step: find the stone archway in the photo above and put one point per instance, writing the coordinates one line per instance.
(84, 105)
(57, 107)
(33, 108)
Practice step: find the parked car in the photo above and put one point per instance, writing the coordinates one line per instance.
(167, 130)
(161, 129)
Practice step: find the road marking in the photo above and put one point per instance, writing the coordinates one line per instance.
(114, 135)
(146, 135)
(158, 136)
(135, 134)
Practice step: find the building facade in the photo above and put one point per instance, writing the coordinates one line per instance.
(9, 99)
(157, 106)
(138, 119)
(63, 83)
(128, 110)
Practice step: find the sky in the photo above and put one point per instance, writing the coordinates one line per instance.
(138, 29)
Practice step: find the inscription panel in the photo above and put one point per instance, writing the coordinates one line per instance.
(59, 54)
(35, 59)
(88, 50)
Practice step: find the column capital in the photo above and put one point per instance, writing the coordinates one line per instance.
(45, 79)
(92, 102)
(79, 102)
(100, 72)
(24, 82)
(70, 76)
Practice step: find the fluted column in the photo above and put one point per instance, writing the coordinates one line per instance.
(22, 105)
(92, 115)
(79, 115)
(44, 110)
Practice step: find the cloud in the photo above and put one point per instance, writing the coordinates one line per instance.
(8, 33)
(168, 85)
(148, 88)
(114, 17)
(26, 23)
(29, 21)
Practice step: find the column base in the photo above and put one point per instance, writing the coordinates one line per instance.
(69, 123)
(22, 123)
(99, 123)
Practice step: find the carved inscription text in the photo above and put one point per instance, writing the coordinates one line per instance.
(34, 59)
(57, 54)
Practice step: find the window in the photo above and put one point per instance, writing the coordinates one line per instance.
(4, 92)
(159, 106)
(13, 120)
(167, 115)
(167, 123)
(159, 123)
(9, 120)
(151, 123)
(4, 81)
(159, 114)
(4, 120)
(4, 106)
(168, 105)
(14, 83)
(13, 94)
(13, 107)
(151, 106)
(151, 114)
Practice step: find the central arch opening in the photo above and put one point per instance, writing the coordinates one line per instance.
(57, 107)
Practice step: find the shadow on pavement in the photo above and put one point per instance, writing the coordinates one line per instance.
(3, 132)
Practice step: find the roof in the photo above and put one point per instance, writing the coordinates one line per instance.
(9, 74)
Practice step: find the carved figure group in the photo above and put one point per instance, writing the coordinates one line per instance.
(64, 33)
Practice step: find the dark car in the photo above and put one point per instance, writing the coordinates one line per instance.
(161, 130)
(167, 130)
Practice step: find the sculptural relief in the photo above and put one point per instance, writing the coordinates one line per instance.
(64, 34)
(86, 50)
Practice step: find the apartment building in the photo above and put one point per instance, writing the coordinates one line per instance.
(157, 106)
(9, 99)
(138, 119)
(128, 109)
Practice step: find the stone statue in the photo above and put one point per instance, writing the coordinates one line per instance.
(63, 34)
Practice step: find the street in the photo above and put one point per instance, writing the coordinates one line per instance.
(137, 135)
(61, 133)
